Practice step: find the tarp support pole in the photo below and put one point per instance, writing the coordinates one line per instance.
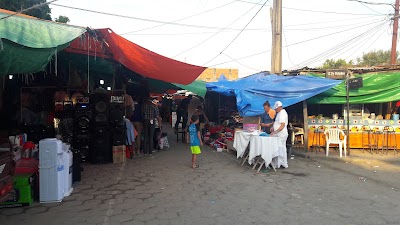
(305, 126)
(348, 112)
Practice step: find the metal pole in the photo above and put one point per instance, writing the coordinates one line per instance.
(348, 112)
(393, 57)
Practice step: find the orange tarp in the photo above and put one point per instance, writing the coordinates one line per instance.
(107, 44)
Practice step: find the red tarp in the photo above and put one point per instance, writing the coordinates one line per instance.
(107, 44)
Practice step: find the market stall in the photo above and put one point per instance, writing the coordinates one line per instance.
(251, 92)
(373, 124)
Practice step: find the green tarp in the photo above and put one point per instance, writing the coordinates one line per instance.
(377, 88)
(198, 87)
(27, 45)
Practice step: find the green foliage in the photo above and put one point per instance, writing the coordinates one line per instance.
(374, 58)
(336, 64)
(42, 12)
(62, 19)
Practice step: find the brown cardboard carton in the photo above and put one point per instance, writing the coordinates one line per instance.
(119, 154)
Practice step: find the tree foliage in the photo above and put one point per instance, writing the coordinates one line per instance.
(336, 64)
(374, 58)
(62, 19)
(42, 12)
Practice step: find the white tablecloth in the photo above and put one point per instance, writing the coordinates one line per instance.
(240, 142)
(266, 147)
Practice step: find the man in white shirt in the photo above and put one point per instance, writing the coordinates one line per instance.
(279, 129)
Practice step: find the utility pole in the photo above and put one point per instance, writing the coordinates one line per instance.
(276, 24)
(393, 58)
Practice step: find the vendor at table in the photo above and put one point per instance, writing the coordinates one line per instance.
(267, 118)
(279, 129)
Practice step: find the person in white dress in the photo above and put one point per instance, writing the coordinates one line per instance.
(279, 129)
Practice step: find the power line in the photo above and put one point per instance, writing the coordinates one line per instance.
(241, 63)
(332, 21)
(366, 41)
(334, 49)
(338, 47)
(144, 19)
(371, 3)
(183, 18)
(297, 43)
(315, 11)
(287, 49)
(258, 30)
(331, 12)
(370, 8)
(238, 33)
(202, 42)
(27, 9)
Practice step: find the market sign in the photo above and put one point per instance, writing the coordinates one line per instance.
(356, 83)
(335, 74)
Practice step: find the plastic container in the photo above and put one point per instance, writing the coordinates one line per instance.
(51, 170)
(395, 116)
(68, 161)
(249, 127)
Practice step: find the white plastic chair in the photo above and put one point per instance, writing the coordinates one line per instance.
(332, 136)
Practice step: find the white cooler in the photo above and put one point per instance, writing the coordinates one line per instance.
(68, 160)
(51, 170)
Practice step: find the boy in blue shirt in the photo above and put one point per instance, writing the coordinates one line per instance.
(193, 137)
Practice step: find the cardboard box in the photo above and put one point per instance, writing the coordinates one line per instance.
(23, 180)
(119, 155)
(20, 196)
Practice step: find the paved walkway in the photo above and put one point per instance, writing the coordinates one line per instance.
(165, 190)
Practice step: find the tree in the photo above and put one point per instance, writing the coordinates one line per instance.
(336, 64)
(42, 12)
(374, 58)
(62, 19)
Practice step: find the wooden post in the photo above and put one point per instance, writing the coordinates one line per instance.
(348, 112)
(305, 126)
(393, 56)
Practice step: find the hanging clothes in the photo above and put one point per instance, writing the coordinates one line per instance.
(130, 132)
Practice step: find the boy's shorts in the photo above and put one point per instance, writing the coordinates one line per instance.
(195, 150)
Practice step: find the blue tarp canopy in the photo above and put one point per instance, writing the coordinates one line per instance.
(251, 92)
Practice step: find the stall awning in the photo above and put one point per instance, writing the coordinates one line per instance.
(107, 44)
(377, 88)
(27, 43)
(252, 91)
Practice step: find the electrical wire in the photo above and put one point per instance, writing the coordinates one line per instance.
(338, 47)
(333, 49)
(207, 39)
(366, 41)
(241, 63)
(315, 11)
(148, 28)
(27, 9)
(244, 28)
(371, 3)
(143, 19)
(371, 8)
(330, 12)
(297, 43)
(325, 28)
(260, 30)
(332, 21)
(287, 48)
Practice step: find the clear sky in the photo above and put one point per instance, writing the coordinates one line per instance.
(211, 32)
